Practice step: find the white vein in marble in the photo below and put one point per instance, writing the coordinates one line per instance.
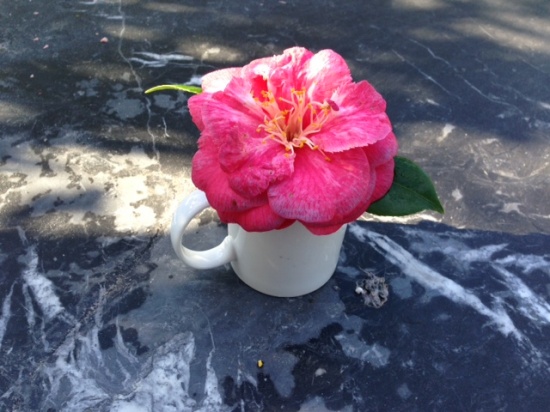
(6, 314)
(376, 354)
(432, 280)
(85, 376)
(42, 288)
(529, 303)
(148, 59)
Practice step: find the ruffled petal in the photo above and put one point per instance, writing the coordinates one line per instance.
(384, 180)
(233, 105)
(321, 191)
(286, 72)
(218, 80)
(325, 73)
(253, 176)
(254, 164)
(259, 219)
(362, 94)
(195, 105)
(225, 111)
(357, 123)
(323, 230)
(208, 176)
(381, 158)
(382, 151)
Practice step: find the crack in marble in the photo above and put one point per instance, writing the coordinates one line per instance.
(426, 76)
(534, 67)
(517, 93)
(493, 99)
(128, 61)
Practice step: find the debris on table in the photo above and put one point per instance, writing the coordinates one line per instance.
(373, 289)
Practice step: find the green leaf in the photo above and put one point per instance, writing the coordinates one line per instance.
(179, 87)
(412, 191)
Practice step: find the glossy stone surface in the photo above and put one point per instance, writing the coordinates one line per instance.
(96, 311)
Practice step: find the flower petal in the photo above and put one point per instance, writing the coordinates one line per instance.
(254, 163)
(286, 72)
(384, 180)
(358, 122)
(380, 157)
(218, 80)
(195, 105)
(208, 176)
(382, 151)
(323, 230)
(325, 72)
(363, 93)
(225, 111)
(321, 191)
(259, 219)
(257, 161)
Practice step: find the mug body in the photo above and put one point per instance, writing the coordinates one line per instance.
(286, 263)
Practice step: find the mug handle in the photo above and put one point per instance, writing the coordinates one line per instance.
(207, 259)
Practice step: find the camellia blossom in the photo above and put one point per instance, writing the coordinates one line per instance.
(291, 138)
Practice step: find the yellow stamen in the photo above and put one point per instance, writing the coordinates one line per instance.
(286, 126)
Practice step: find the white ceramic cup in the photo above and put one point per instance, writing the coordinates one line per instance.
(285, 263)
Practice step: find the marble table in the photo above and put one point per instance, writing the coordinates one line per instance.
(465, 327)
(97, 313)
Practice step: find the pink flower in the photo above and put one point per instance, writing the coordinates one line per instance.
(291, 137)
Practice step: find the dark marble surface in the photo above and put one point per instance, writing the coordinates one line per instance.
(466, 327)
(96, 313)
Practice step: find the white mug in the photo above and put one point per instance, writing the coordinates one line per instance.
(286, 263)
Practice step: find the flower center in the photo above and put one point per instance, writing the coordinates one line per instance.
(299, 119)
